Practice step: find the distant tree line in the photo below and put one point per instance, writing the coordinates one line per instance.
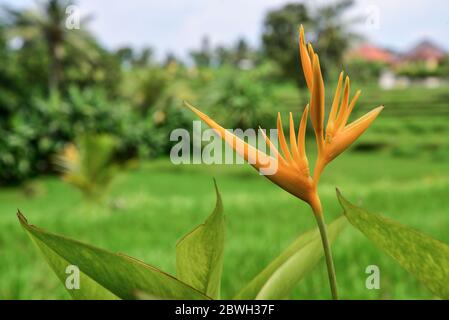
(57, 84)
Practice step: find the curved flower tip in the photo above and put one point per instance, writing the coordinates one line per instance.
(305, 59)
(256, 158)
(342, 137)
(291, 167)
(350, 133)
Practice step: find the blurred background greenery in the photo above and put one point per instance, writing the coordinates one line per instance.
(103, 117)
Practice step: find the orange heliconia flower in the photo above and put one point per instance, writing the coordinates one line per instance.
(293, 174)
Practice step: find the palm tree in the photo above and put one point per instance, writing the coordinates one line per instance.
(48, 23)
(89, 164)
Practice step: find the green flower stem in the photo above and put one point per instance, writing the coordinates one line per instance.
(328, 254)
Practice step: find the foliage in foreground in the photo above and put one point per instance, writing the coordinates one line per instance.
(424, 257)
(106, 275)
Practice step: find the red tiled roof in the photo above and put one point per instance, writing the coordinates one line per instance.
(369, 52)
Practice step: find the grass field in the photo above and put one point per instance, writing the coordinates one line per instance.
(158, 202)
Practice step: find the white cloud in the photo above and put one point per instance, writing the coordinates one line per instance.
(403, 23)
(177, 25)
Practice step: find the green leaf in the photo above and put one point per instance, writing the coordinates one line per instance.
(424, 257)
(199, 254)
(106, 275)
(89, 289)
(284, 272)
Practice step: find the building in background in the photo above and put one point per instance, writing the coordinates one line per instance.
(422, 64)
(427, 52)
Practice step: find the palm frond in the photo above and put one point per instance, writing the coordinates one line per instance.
(89, 164)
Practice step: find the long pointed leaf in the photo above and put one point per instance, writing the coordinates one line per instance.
(262, 285)
(117, 274)
(424, 257)
(199, 254)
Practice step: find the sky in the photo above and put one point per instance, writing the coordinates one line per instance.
(177, 26)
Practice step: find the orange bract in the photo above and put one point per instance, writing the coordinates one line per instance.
(292, 172)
